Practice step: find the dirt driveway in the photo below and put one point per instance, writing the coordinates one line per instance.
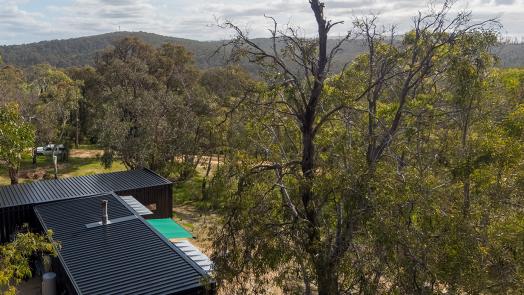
(85, 154)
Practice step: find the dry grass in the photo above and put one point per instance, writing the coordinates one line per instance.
(86, 153)
(198, 223)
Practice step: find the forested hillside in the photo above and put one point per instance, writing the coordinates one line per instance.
(82, 51)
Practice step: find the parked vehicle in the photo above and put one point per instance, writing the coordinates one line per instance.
(48, 150)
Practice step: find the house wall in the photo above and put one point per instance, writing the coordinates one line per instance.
(15, 218)
(63, 282)
(158, 199)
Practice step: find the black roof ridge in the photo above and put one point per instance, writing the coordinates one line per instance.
(37, 192)
(75, 198)
(71, 198)
(156, 174)
(88, 175)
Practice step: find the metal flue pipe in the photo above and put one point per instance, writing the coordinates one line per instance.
(105, 217)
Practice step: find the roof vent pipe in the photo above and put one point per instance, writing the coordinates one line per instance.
(104, 212)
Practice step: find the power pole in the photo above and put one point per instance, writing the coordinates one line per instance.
(55, 163)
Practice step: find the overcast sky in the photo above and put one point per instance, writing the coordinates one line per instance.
(24, 21)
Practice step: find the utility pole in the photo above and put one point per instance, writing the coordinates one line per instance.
(55, 163)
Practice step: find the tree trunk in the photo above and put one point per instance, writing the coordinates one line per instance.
(77, 135)
(55, 165)
(34, 157)
(204, 179)
(327, 279)
(465, 155)
(13, 175)
(305, 277)
(467, 201)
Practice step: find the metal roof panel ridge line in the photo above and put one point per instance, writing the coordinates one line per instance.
(78, 186)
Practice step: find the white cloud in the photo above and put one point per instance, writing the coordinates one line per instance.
(195, 19)
(92, 16)
(15, 22)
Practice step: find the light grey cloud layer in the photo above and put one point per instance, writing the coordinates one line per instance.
(25, 21)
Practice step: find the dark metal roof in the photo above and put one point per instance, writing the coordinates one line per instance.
(136, 205)
(194, 253)
(59, 189)
(126, 256)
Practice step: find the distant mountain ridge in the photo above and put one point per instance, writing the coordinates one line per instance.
(82, 51)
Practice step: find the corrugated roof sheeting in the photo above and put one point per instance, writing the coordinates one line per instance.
(136, 205)
(194, 253)
(127, 257)
(59, 189)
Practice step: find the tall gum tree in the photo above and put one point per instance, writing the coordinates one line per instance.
(302, 201)
(57, 103)
(16, 135)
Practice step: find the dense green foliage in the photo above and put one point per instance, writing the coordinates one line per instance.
(15, 136)
(152, 109)
(403, 177)
(56, 103)
(441, 212)
(14, 259)
(47, 104)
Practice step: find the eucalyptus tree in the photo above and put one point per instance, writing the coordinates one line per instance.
(15, 110)
(57, 102)
(134, 120)
(468, 82)
(226, 88)
(13, 85)
(16, 135)
(311, 179)
(85, 115)
(154, 112)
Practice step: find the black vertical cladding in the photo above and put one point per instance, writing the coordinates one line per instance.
(16, 202)
(158, 199)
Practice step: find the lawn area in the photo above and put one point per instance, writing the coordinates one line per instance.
(82, 161)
